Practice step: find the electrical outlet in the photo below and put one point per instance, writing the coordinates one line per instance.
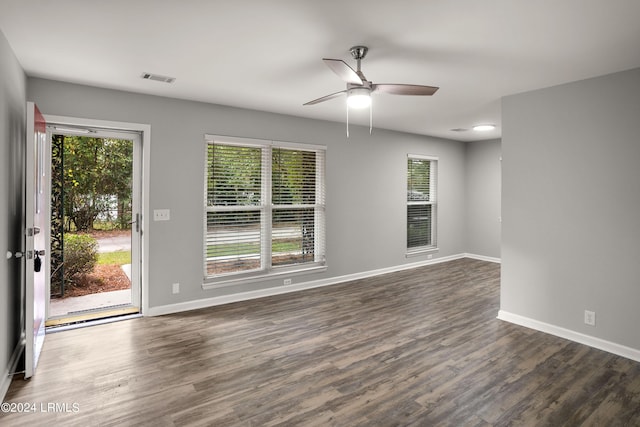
(590, 318)
(429, 256)
(287, 281)
(176, 288)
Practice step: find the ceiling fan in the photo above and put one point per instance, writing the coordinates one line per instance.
(359, 89)
(359, 86)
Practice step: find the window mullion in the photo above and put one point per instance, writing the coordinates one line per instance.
(267, 210)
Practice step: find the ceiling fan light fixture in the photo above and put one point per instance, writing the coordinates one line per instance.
(359, 97)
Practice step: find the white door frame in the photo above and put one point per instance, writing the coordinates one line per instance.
(145, 133)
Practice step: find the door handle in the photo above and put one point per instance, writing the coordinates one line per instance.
(136, 222)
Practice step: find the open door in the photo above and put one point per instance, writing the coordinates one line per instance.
(95, 198)
(37, 225)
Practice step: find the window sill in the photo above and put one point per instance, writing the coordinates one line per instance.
(259, 277)
(421, 251)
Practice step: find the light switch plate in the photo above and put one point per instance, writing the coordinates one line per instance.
(161, 215)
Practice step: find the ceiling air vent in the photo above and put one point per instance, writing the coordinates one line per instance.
(459, 130)
(158, 78)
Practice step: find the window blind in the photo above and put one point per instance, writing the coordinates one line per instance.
(264, 207)
(421, 202)
(298, 206)
(235, 199)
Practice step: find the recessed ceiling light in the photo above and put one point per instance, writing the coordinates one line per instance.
(484, 128)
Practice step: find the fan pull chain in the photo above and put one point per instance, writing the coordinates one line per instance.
(347, 119)
(371, 117)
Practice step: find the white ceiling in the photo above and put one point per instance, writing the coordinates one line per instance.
(266, 54)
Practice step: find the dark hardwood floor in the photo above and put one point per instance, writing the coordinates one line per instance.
(415, 348)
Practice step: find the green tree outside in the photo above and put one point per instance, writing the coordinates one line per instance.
(97, 175)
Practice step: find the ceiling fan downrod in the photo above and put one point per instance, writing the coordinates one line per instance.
(358, 53)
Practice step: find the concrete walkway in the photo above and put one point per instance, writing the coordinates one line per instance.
(64, 306)
(70, 305)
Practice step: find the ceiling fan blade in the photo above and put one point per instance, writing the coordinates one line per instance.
(343, 71)
(400, 89)
(325, 98)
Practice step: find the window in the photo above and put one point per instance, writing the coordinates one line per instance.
(264, 207)
(421, 203)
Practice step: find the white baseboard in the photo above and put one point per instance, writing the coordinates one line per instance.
(5, 381)
(261, 293)
(608, 346)
(484, 258)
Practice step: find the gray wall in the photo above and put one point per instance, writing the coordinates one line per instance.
(12, 126)
(483, 198)
(570, 207)
(366, 182)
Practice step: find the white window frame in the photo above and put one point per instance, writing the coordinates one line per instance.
(433, 202)
(266, 209)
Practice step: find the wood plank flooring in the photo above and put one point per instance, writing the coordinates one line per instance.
(413, 348)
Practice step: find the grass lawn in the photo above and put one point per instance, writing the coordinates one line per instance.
(117, 258)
